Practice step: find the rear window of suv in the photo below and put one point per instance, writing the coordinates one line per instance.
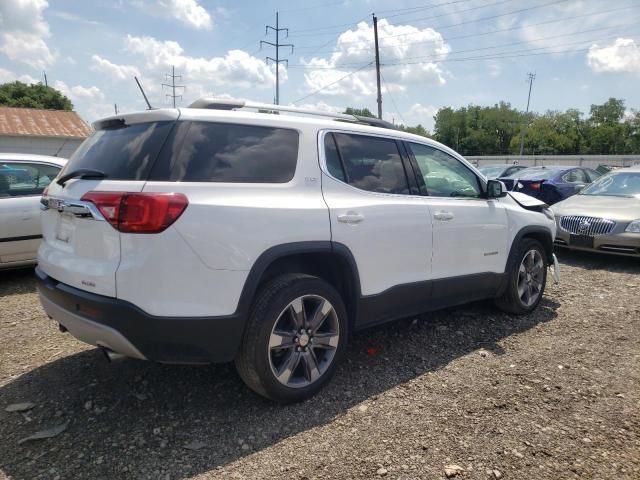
(122, 152)
(222, 152)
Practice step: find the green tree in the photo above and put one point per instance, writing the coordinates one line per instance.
(360, 112)
(606, 129)
(417, 130)
(18, 94)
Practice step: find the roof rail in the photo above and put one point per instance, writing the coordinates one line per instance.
(231, 104)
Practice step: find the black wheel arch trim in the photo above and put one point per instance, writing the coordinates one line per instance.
(528, 231)
(277, 252)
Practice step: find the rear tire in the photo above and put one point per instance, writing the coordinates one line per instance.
(527, 278)
(294, 338)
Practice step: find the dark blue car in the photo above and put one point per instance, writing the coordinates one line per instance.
(550, 183)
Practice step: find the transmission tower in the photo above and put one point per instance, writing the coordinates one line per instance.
(173, 85)
(277, 46)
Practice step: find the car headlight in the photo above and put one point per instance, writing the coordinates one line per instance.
(548, 213)
(633, 227)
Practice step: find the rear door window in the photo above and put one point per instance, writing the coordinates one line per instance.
(221, 152)
(372, 163)
(122, 152)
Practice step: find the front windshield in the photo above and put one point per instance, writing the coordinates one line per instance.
(534, 173)
(617, 184)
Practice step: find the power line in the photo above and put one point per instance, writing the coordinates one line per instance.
(332, 83)
(539, 39)
(173, 85)
(503, 55)
(393, 102)
(414, 9)
(467, 22)
(277, 46)
(479, 34)
(435, 57)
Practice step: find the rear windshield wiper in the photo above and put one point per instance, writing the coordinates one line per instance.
(81, 173)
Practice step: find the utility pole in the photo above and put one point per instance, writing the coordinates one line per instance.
(46, 83)
(277, 46)
(375, 33)
(523, 130)
(115, 107)
(173, 85)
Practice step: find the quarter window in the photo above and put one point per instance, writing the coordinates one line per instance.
(444, 175)
(220, 152)
(372, 163)
(24, 179)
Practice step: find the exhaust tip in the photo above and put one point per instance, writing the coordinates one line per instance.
(112, 356)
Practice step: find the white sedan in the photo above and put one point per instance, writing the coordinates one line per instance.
(22, 180)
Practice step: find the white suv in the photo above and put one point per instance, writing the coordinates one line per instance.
(217, 233)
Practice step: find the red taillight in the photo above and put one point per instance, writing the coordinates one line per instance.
(132, 212)
(535, 186)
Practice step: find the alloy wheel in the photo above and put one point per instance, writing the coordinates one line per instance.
(530, 277)
(303, 341)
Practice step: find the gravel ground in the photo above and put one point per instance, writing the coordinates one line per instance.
(467, 391)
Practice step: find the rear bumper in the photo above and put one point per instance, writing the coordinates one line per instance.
(126, 329)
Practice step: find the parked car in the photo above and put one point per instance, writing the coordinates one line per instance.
(213, 233)
(604, 217)
(550, 184)
(23, 178)
(498, 171)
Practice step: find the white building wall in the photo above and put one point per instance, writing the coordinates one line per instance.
(39, 145)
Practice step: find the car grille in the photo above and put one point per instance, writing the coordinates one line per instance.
(591, 226)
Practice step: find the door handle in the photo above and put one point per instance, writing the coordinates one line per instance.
(442, 215)
(350, 217)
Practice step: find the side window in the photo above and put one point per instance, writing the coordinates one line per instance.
(372, 163)
(24, 179)
(444, 175)
(221, 152)
(332, 157)
(576, 175)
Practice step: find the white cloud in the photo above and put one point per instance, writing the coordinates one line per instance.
(623, 55)
(79, 92)
(118, 72)
(237, 68)
(24, 33)
(7, 76)
(188, 12)
(416, 53)
(72, 17)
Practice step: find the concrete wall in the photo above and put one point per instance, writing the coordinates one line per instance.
(39, 145)
(591, 161)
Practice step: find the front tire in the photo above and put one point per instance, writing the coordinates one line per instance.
(527, 278)
(294, 338)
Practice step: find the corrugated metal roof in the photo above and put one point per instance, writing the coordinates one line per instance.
(42, 123)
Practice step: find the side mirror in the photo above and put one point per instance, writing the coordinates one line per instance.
(496, 189)
(579, 186)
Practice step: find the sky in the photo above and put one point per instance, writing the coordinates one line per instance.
(433, 54)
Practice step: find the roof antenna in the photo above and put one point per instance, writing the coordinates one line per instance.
(143, 94)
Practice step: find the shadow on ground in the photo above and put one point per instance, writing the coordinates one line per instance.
(133, 419)
(598, 261)
(17, 281)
